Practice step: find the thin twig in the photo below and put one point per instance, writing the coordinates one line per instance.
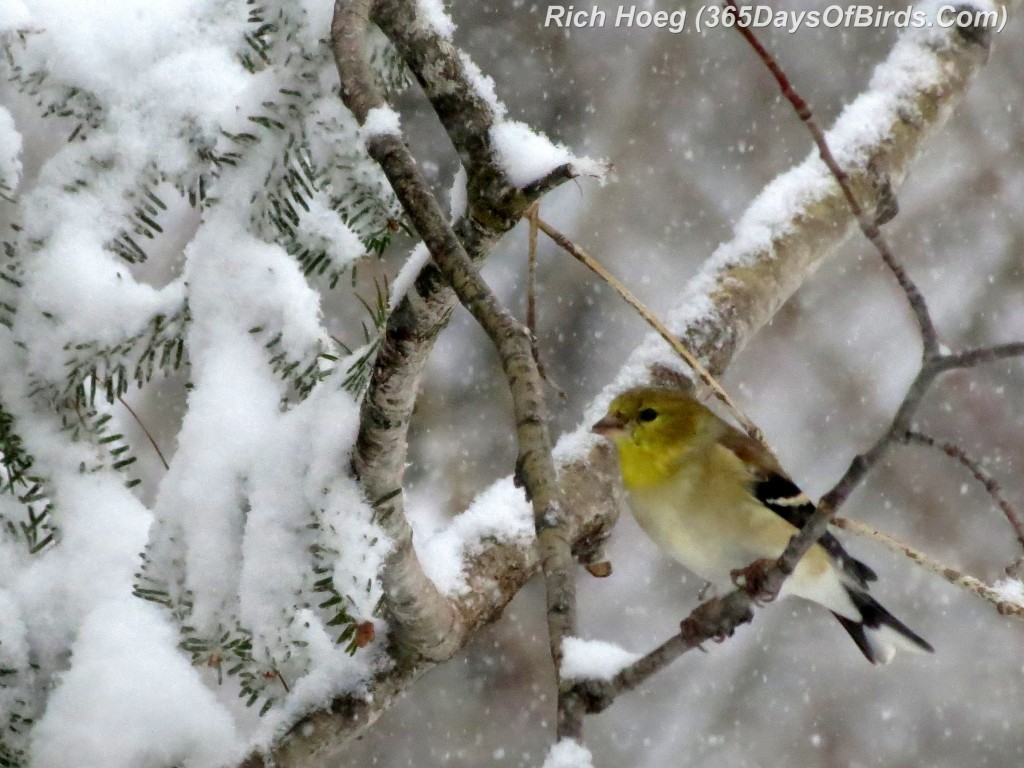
(138, 421)
(531, 297)
(972, 357)
(868, 226)
(535, 465)
(531, 272)
(990, 484)
(145, 431)
(719, 617)
(953, 576)
(651, 319)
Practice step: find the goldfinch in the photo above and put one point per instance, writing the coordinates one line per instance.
(716, 501)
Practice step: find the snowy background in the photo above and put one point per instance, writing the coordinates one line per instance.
(695, 129)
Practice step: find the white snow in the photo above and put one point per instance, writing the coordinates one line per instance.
(1010, 591)
(431, 14)
(10, 150)
(233, 423)
(103, 528)
(407, 275)
(525, 154)
(593, 659)
(568, 753)
(131, 699)
(13, 14)
(911, 66)
(380, 121)
(483, 85)
(322, 227)
(147, 78)
(458, 195)
(89, 294)
(499, 514)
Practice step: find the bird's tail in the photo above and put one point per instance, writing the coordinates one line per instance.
(878, 634)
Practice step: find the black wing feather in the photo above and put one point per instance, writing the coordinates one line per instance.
(782, 496)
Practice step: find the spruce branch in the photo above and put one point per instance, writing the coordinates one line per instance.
(740, 294)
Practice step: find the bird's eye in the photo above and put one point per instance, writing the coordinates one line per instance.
(647, 414)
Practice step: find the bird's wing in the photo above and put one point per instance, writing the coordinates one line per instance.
(772, 488)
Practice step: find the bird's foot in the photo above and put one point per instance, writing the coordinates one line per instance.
(707, 622)
(755, 581)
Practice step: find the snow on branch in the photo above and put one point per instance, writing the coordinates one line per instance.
(535, 469)
(762, 580)
(788, 231)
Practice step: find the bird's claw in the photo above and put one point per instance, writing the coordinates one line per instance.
(754, 580)
(704, 622)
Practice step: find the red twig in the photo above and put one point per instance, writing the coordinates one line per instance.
(868, 225)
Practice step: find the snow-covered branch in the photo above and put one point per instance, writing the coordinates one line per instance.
(535, 468)
(788, 231)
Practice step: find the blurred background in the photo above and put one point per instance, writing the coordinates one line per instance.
(695, 129)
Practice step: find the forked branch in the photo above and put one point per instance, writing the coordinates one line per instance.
(535, 466)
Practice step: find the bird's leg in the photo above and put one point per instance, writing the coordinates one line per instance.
(754, 580)
(710, 621)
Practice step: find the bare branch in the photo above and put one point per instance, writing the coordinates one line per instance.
(973, 357)
(953, 576)
(440, 69)
(534, 465)
(989, 483)
(427, 624)
(738, 291)
(868, 225)
(531, 296)
(443, 71)
(715, 619)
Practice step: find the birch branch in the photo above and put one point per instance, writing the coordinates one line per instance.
(739, 289)
(423, 622)
(535, 466)
(718, 618)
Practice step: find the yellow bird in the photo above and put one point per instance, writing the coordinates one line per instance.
(716, 501)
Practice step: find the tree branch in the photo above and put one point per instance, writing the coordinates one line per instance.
(426, 624)
(422, 622)
(989, 483)
(534, 466)
(954, 577)
(719, 617)
(972, 357)
(735, 294)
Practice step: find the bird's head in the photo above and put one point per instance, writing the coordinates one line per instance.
(651, 419)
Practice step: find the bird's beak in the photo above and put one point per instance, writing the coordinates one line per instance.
(612, 425)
